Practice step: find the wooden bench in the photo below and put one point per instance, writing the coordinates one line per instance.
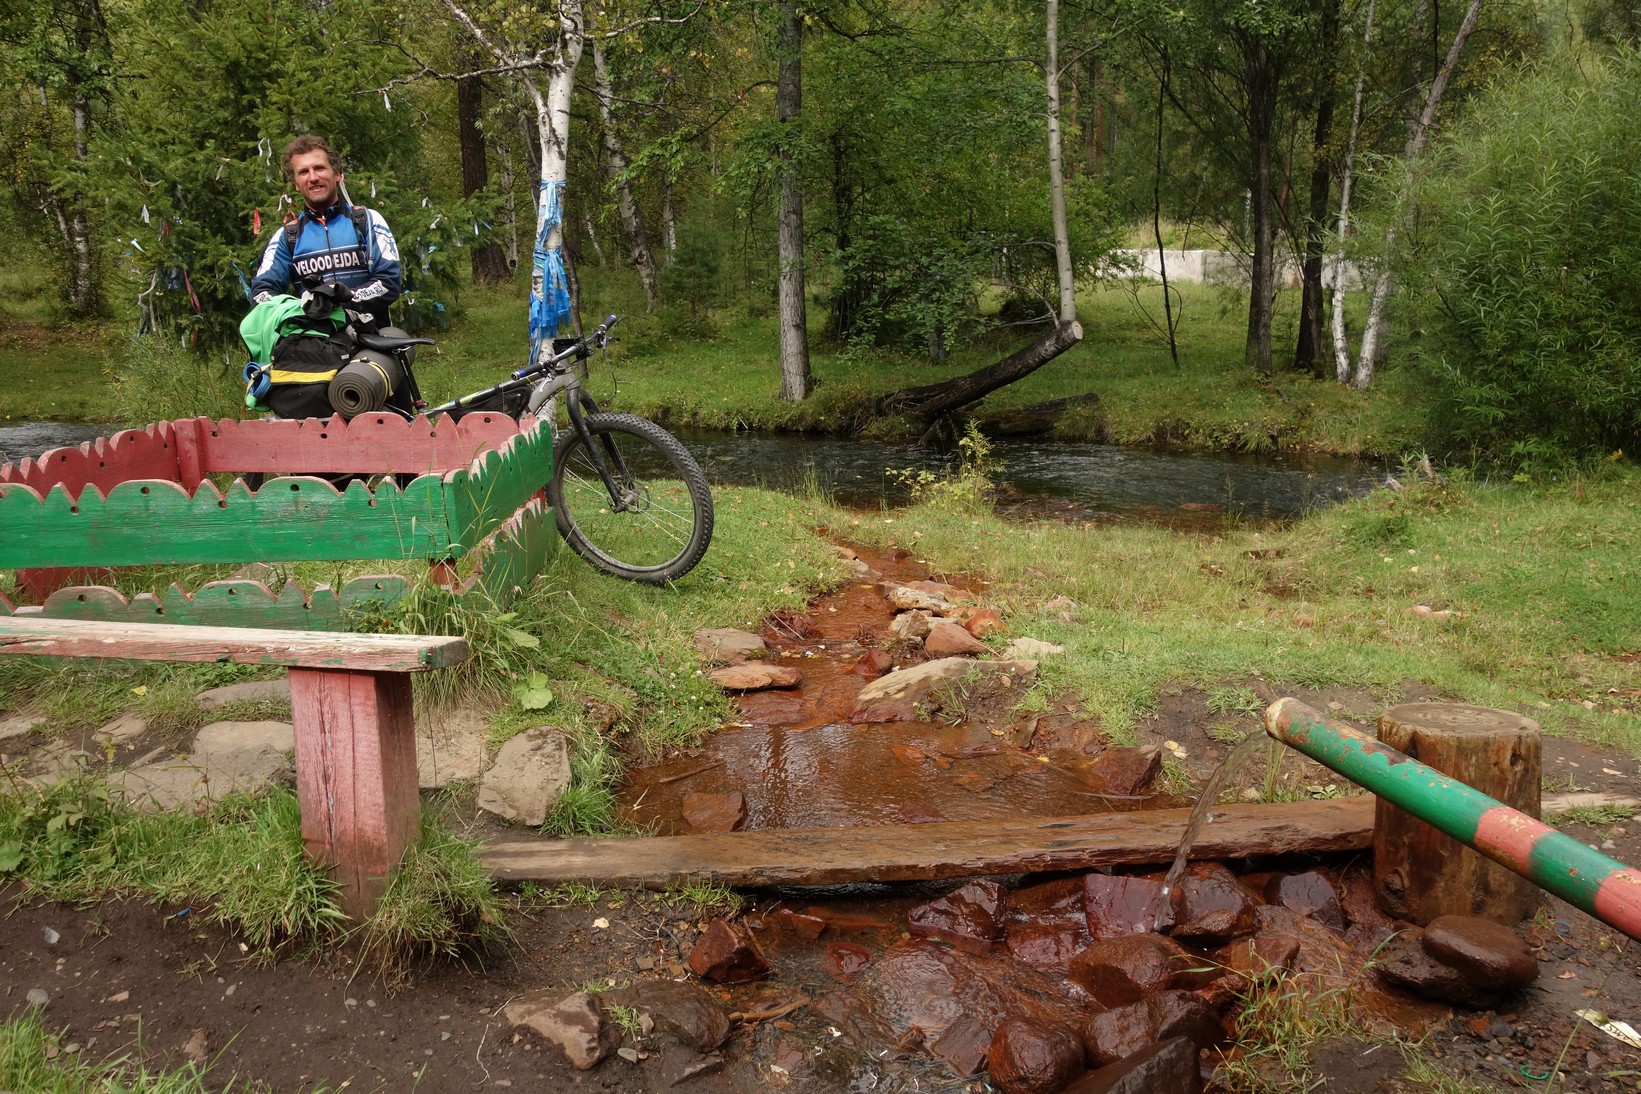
(350, 706)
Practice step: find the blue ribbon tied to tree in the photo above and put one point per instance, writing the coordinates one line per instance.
(549, 287)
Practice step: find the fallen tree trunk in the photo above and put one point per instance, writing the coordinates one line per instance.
(947, 849)
(1037, 418)
(931, 401)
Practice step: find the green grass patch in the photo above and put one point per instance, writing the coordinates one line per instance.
(32, 1059)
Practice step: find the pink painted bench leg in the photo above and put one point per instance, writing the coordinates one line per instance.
(355, 776)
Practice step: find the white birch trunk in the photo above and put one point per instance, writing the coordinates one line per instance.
(1341, 338)
(1056, 173)
(632, 217)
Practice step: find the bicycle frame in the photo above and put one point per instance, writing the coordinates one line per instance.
(552, 377)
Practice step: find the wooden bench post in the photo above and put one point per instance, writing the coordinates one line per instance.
(351, 710)
(355, 777)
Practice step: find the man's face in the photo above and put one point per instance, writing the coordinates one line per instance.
(316, 180)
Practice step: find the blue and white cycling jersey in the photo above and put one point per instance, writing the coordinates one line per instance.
(328, 248)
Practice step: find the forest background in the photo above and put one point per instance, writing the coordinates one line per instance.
(881, 184)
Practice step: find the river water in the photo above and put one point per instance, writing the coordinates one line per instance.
(1038, 477)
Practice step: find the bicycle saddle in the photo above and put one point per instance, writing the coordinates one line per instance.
(388, 343)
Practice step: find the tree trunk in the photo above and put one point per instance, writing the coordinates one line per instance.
(84, 294)
(1373, 331)
(1420, 873)
(1307, 353)
(1341, 338)
(794, 321)
(930, 401)
(592, 238)
(1056, 173)
(632, 217)
(1261, 118)
(489, 262)
(1156, 213)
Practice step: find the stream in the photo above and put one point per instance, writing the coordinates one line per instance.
(1067, 480)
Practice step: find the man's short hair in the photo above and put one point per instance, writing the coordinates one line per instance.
(304, 144)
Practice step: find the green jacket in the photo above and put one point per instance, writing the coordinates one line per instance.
(280, 317)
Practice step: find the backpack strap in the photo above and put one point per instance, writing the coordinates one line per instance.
(361, 232)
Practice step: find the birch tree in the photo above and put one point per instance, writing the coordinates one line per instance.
(615, 157)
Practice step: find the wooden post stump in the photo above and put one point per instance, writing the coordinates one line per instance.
(1420, 873)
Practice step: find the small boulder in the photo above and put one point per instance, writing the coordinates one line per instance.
(969, 917)
(906, 599)
(982, 621)
(1310, 894)
(728, 646)
(254, 691)
(1114, 1034)
(755, 676)
(1125, 772)
(1209, 930)
(1209, 887)
(910, 626)
(1403, 963)
(573, 1022)
(872, 664)
(964, 1045)
(1117, 905)
(950, 640)
(530, 772)
(680, 1008)
(1115, 971)
(1046, 924)
(1169, 1067)
(1489, 955)
(1032, 1057)
(1030, 649)
(727, 952)
(705, 812)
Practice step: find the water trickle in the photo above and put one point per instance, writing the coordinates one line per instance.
(1200, 816)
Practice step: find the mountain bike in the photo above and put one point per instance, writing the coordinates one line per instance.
(626, 495)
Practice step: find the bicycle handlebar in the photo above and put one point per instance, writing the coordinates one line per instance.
(598, 337)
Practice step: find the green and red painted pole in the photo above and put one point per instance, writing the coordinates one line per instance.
(1583, 877)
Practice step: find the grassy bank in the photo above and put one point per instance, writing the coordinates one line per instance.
(722, 372)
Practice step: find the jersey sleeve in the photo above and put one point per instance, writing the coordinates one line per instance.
(385, 281)
(273, 273)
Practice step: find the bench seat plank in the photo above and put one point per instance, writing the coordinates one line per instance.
(27, 634)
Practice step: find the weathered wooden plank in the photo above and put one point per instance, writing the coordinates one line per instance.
(511, 558)
(370, 444)
(487, 494)
(147, 453)
(31, 634)
(36, 584)
(235, 603)
(924, 852)
(355, 777)
(289, 520)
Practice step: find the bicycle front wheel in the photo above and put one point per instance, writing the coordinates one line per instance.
(656, 525)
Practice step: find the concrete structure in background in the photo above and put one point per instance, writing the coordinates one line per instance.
(1215, 268)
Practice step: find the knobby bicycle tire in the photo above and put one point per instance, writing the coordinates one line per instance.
(663, 524)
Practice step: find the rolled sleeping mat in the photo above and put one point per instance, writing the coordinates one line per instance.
(365, 382)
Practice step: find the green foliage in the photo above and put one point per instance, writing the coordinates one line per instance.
(33, 1059)
(968, 487)
(1523, 265)
(50, 833)
(691, 278)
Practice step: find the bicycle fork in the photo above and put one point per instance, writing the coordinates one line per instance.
(611, 467)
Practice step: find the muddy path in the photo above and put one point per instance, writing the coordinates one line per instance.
(870, 987)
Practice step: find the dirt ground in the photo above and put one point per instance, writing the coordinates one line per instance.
(123, 977)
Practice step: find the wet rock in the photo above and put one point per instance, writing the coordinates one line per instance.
(923, 985)
(1169, 1067)
(251, 691)
(1323, 955)
(964, 1046)
(950, 640)
(1115, 971)
(897, 710)
(1029, 1057)
(1125, 772)
(914, 683)
(755, 676)
(728, 646)
(1112, 1035)
(1403, 963)
(1030, 649)
(910, 626)
(529, 773)
(1366, 926)
(705, 812)
(1485, 953)
(1309, 894)
(795, 924)
(905, 598)
(982, 621)
(1117, 905)
(572, 1021)
(1046, 925)
(727, 953)
(1209, 887)
(968, 917)
(1244, 964)
(845, 960)
(680, 1008)
(951, 594)
(1210, 930)
(872, 664)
